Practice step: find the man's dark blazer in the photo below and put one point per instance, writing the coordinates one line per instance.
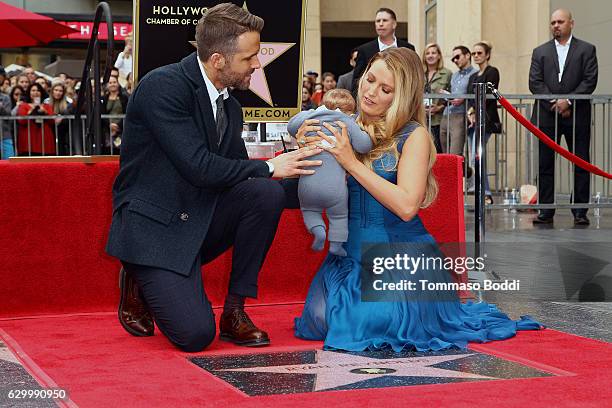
(579, 77)
(345, 81)
(364, 53)
(171, 169)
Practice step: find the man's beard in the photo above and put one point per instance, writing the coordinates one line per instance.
(235, 80)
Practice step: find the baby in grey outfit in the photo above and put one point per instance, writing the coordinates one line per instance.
(326, 188)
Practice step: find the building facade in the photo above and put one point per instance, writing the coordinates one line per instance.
(514, 28)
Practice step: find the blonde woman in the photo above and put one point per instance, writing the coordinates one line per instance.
(387, 188)
(437, 80)
(61, 105)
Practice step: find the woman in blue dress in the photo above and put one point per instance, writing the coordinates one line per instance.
(387, 187)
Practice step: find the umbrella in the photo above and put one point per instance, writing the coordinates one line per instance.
(20, 28)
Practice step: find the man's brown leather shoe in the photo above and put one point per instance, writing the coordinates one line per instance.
(133, 313)
(236, 327)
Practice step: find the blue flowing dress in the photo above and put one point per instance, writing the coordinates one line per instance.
(334, 310)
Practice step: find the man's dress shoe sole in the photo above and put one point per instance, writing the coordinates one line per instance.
(245, 343)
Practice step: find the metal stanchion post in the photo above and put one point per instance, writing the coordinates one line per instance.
(480, 92)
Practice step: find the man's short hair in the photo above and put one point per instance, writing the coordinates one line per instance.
(219, 28)
(387, 10)
(464, 50)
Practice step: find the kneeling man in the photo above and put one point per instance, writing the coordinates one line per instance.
(186, 190)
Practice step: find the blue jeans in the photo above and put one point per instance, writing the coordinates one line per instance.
(472, 147)
(7, 149)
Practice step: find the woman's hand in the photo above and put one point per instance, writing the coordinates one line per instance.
(342, 149)
(309, 125)
(471, 119)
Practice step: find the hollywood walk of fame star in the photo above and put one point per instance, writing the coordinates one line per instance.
(333, 369)
(268, 52)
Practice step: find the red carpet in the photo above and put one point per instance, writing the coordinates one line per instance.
(55, 222)
(56, 218)
(100, 365)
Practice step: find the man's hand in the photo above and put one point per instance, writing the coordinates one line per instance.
(456, 101)
(291, 164)
(562, 107)
(471, 119)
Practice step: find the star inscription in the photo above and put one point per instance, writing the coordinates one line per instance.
(268, 52)
(334, 369)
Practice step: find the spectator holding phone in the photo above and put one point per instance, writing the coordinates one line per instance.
(36, 136)
(124, 61)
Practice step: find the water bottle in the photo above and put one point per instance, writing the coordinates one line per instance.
(597, 201)
(514, 200)
(506, 198)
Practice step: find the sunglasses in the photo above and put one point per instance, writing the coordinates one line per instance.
(456, 58)
(477, 52)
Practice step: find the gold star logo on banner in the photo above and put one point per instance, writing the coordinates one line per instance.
(268, 52)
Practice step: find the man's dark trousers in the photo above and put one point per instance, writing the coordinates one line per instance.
(246, 216)
(546, 157)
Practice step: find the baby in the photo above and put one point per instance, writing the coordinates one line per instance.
(326, 188)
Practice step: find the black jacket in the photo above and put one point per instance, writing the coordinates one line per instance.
(123, 98)
(171, 169)
(364, 53)
(490, 74)
(579, 77)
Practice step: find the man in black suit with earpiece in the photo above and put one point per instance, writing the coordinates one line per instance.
(385, 23)
(563, 65)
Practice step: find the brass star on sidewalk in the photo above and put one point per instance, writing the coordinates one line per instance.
(334, 369)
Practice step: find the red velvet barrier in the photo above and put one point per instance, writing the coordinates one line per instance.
(55, 220)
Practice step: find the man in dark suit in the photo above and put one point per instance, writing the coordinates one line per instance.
(345, 81)
(563, 65)
(385, 24)
(186, 191)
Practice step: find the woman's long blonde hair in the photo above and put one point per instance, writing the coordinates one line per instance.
(407, 106)
(60, 106)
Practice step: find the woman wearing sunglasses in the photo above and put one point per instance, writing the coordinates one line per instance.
(487, 73)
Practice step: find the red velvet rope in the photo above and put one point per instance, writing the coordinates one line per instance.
(549, 142)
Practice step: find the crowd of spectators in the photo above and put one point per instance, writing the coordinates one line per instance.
(38, 103)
